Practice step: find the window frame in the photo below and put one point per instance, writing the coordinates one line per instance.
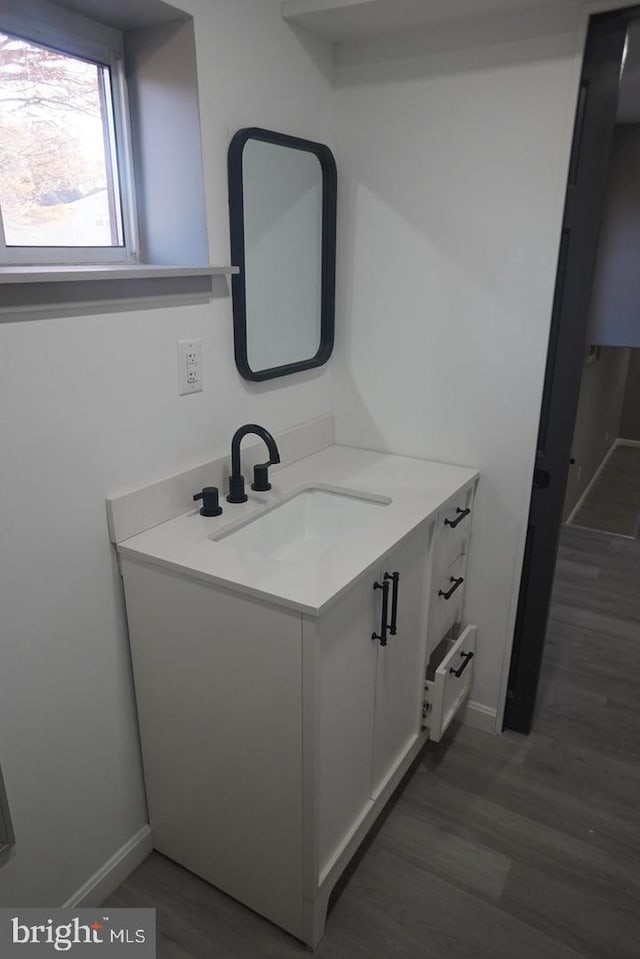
(70, 33)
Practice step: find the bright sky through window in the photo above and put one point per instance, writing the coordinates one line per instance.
(58, 170)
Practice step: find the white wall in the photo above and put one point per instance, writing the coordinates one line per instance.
(615, 296)
(453, 147)
(89, 408)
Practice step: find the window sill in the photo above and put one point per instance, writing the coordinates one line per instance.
(40, 291)
(117, 271)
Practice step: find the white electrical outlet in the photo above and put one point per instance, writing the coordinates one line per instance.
(189, 366)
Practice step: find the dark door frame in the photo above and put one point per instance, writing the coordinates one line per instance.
(593, 133)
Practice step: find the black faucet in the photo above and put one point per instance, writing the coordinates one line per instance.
(260, 472)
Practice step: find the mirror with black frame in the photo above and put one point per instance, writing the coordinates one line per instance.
(282, 202)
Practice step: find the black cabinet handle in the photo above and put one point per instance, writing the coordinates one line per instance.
(382, 636)
(461, 515)
(467, 659)
(395, 579)
(457, 583)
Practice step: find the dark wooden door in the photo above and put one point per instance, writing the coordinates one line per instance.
(593, 134)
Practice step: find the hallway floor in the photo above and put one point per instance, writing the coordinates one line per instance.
(496, 848)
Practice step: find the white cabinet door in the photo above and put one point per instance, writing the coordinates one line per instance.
(345, 682)
(400, 664)
(369, 696)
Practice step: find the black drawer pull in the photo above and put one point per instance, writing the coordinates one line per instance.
(467, 659)
(462, 513)
(395, 579)
(457, 583)
(384, 615)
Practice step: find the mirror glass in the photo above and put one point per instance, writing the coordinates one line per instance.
(282, 202)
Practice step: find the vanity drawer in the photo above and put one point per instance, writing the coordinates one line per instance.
(454, 526)
(451, 683)
(446, 601)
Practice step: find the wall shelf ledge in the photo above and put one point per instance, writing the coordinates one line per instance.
(36, 292)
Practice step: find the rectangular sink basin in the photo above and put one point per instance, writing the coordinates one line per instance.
(306, 525)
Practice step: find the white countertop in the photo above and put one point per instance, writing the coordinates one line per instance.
(417, 488)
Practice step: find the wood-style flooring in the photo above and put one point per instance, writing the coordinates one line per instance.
(612, 505)
(495, 848)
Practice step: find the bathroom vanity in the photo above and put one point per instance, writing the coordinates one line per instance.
(290, 659)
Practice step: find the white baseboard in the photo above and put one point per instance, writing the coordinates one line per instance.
(623, 442)
(480, 717)
(574, 512)
(113, 872)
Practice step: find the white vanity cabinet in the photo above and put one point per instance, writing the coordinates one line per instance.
(275, 729)
(270, 738)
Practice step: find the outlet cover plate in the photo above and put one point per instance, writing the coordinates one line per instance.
(189, 367)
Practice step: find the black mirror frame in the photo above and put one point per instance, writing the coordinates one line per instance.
(328, 278)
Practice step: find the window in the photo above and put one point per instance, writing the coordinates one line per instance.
(79, 127)
(65, 171)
